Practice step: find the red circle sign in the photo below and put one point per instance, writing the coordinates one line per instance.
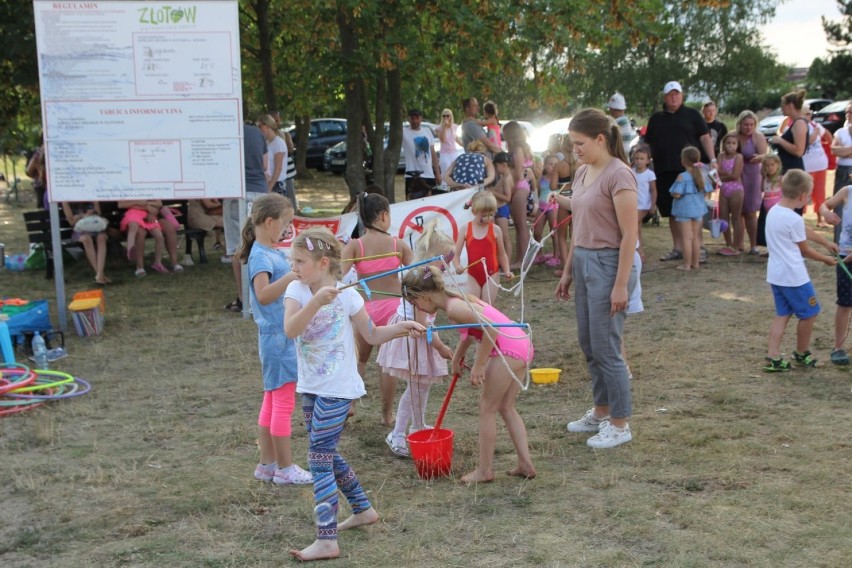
(410, 220)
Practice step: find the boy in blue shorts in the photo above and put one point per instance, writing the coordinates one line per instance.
(786, 239)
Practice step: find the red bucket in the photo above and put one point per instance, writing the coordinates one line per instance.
(432, 457)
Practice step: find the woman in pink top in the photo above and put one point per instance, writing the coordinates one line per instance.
(600, 263)
(446, 133)
(525, 181)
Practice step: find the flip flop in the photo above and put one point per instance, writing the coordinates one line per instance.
(158, 266)
(103, 282)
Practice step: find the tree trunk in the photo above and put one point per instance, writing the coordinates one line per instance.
(354, 92)
(303, 129)
(395, 131)
(264, 37)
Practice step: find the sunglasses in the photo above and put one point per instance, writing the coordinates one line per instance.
(446, 116)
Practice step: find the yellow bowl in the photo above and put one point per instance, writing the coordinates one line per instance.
(545, 376)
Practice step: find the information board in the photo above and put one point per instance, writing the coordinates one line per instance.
(140, 100)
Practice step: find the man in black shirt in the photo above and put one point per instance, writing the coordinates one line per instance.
(668, 132)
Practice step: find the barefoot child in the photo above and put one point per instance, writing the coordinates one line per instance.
(415, 360)
(322, 317)
(731, 194)
(484, 243)
(269, 274)
(375, 252)
(502, 357)
(786, 238)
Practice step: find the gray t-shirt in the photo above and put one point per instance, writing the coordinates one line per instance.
(471, 131)
(254, 148)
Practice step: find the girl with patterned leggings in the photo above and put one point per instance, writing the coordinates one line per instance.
(322, 318)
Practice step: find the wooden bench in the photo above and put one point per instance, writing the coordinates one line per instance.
(114, 214)
(38, 230)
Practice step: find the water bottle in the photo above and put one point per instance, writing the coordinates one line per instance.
(39, 352)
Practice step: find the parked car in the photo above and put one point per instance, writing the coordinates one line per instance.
(769, 125)
(324, 133)
(832, 116)
(334, 159)
(538, 141)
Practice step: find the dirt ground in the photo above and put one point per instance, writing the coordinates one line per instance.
(729, 466)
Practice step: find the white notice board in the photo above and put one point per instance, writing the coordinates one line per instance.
(141, 100)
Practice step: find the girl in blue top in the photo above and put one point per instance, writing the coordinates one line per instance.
(688, 207)
(269, 274)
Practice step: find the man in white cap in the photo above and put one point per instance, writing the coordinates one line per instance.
(669, 131)
(616, 106)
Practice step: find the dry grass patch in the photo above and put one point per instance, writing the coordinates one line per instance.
(729, 466)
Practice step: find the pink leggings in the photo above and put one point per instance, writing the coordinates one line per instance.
(277, 409)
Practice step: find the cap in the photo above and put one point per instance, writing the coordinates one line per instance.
(414, 112)
(501, 158)
(672, 86)
(617, 102)
(707, 101)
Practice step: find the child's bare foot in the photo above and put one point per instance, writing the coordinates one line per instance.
(388, 418)
(367, 517)
(527, 472)
(319, 550)
(477, 476)
(684, 267)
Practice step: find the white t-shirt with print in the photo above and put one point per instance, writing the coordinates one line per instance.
(784, 230)
(327, 355)
(418, 151)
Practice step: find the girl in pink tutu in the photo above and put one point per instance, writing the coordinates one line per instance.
(502, 357)
(420, 364)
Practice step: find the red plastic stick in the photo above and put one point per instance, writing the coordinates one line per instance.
(444, 406)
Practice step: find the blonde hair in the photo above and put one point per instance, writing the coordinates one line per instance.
(432, 242)
(775, 160)
(319, 243)
(691, 159)
(419, 282)
(796, 183)
(477, 146)
(269, 122)
(450, 112)
(267, 206)
(484, 202)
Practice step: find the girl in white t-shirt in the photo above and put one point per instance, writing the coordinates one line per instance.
(646, 188)
(322, 318)
(276, 172)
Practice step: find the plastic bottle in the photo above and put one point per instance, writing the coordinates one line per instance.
(39, 352)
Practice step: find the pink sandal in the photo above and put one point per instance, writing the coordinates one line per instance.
(158, 266)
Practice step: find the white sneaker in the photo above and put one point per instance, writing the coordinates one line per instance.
(588, 423)
(610, 436)
(397, 444)
(412, 429)
(225, 259)
(293, 475)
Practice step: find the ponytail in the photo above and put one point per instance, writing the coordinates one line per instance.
(615, 145)
(247, 238)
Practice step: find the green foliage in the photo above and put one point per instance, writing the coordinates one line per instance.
(830, 75)
(19, 105)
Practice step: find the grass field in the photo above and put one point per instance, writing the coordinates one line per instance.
(729, 466)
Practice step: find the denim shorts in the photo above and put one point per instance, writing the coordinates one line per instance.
(798, 300)
(688, 219)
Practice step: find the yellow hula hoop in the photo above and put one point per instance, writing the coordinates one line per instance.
(66, 378)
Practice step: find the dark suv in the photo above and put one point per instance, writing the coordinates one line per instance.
(832, 116)
(324, 133)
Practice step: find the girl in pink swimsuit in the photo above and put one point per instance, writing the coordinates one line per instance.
(392, 253)
(500, 361)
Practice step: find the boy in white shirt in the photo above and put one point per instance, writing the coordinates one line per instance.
(786, 239)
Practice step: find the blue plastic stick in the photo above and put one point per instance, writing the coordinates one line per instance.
(394, 271)
(428, 335)
(366, 289)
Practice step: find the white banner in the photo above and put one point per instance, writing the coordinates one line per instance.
(410, 217)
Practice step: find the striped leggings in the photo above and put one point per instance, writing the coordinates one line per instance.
(324, 420)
